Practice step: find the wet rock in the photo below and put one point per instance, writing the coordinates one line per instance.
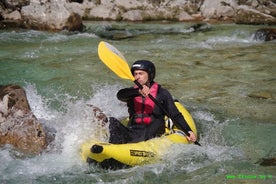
(101, 118)
(261, 94)
(217, 9)
(113, 33)
(19, 126)
(51, 16)
(265, 34)
(101, 121)
(77, 1)
(200, 27)
(10, 13)
(15, 4)
(267, 162)
(249, 15)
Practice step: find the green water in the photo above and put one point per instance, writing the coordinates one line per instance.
(220, 75)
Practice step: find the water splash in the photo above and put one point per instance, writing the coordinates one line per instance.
(72, 127)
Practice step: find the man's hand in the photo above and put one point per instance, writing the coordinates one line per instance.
(192, 136)
(145, 90)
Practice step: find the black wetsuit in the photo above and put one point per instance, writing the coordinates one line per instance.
(139, 132)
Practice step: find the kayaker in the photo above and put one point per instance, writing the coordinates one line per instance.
(146, 119)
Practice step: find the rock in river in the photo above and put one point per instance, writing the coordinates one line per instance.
(18, 125)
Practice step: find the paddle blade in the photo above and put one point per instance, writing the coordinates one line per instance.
(114, 60)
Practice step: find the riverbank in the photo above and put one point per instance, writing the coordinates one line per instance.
(63, 14)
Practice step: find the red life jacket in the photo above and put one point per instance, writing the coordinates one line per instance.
(144, 106)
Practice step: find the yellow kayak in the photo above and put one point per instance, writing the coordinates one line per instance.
(114, 156)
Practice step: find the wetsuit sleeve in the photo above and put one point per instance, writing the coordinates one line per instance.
(174, 112)
(127, 94)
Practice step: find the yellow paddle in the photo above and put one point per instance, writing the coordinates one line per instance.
(115, 61)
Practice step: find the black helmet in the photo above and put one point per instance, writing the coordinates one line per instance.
(145, 65)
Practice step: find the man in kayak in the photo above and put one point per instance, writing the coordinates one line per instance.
(146, 119)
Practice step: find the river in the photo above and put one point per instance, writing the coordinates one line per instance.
(224, 77)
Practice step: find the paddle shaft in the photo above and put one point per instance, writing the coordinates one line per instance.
(166, 112)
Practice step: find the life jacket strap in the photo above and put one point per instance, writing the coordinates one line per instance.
(141, 115)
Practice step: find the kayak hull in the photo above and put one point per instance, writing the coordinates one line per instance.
(123, 155)
(116, 156)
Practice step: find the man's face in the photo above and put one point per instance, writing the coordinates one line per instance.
(141, 76)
